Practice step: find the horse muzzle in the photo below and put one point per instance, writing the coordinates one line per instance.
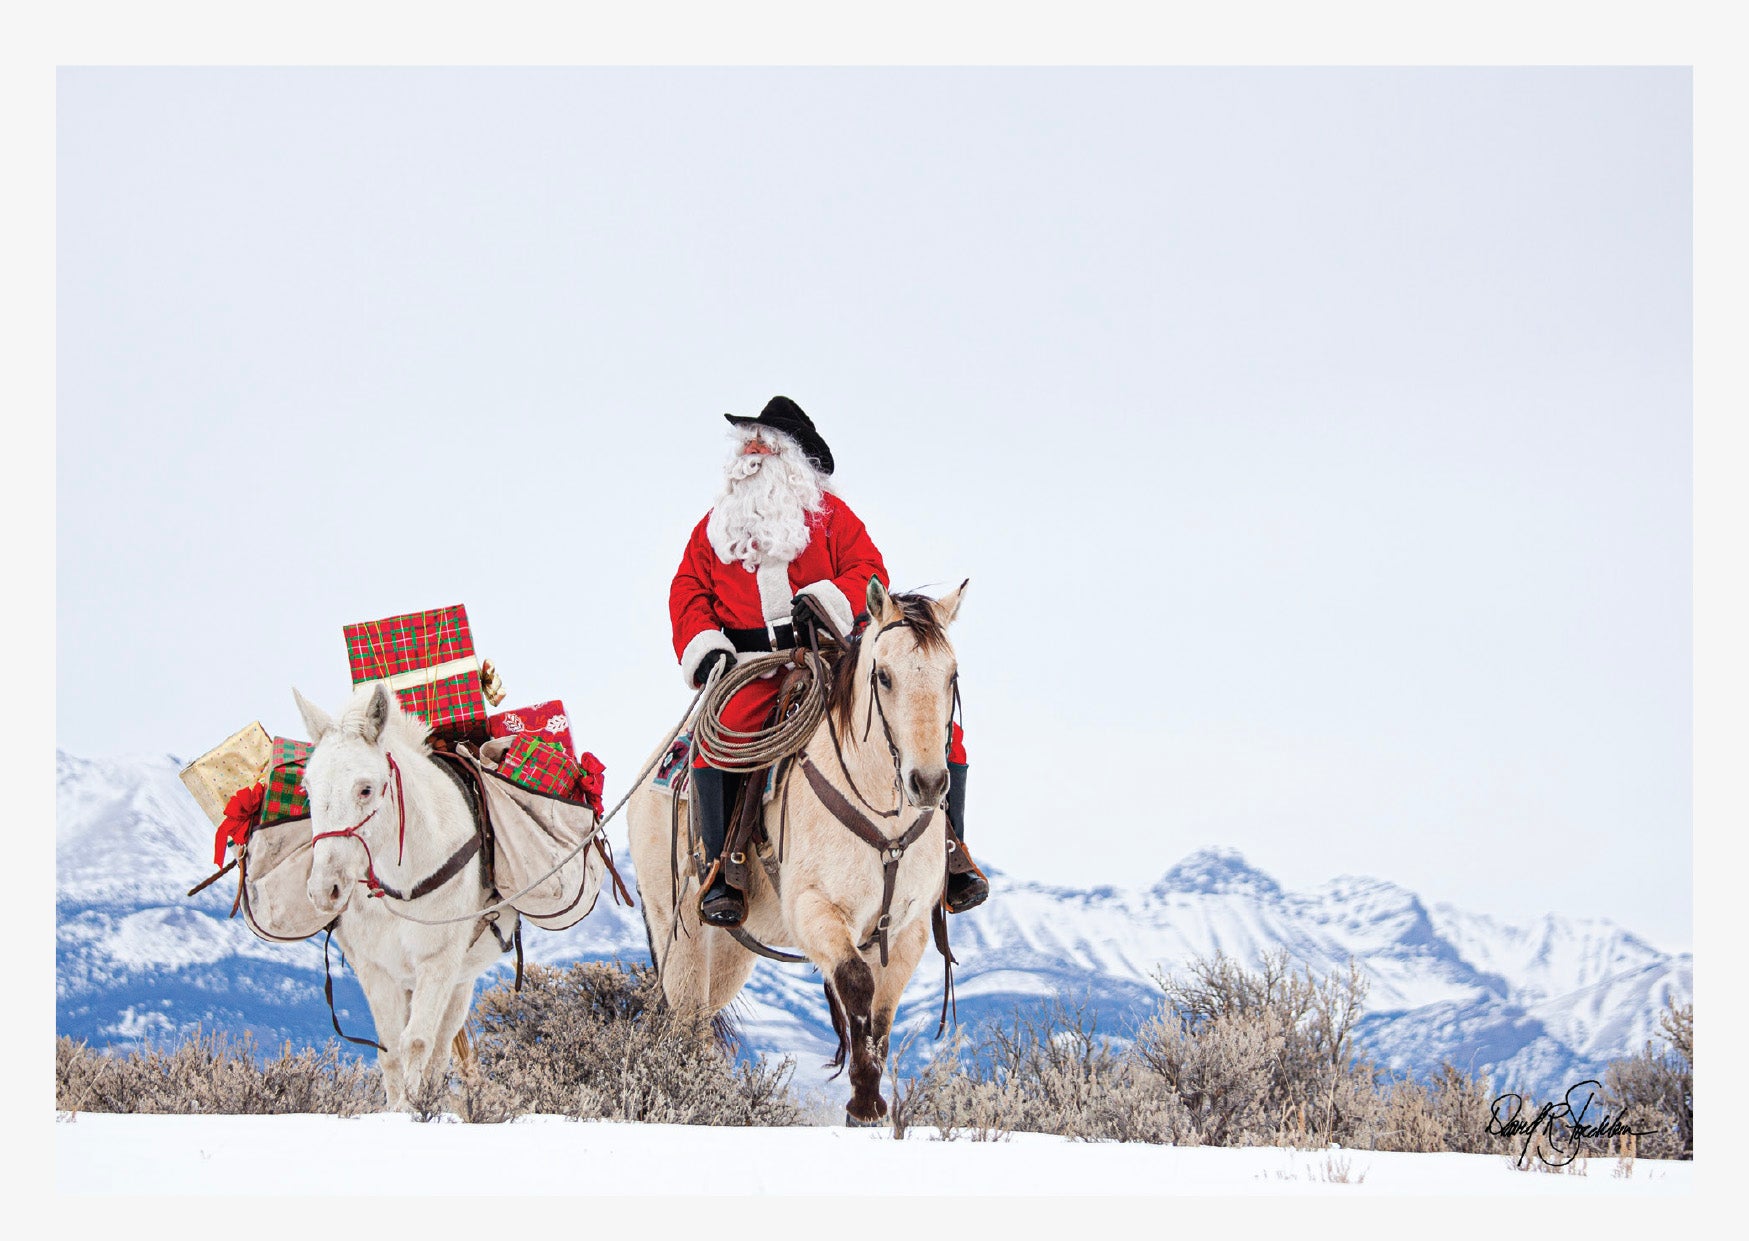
(925, 787)
(330, 893)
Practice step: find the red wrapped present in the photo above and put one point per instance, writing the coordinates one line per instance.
(284, 797)
(428, 659)
(538, 765)
(544, 721)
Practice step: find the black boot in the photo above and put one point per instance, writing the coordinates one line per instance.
(715, 793)
(968, 888)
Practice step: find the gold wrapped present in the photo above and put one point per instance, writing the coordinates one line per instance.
(240, 760)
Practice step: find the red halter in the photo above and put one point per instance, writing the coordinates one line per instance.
(370, 869)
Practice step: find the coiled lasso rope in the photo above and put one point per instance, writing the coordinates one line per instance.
(729, 749)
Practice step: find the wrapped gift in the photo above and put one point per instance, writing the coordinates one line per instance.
(284, 796)
(428, 659)
(545, 722)
(538, 765)
(235, 763)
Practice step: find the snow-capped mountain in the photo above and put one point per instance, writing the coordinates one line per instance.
(1533, 1007)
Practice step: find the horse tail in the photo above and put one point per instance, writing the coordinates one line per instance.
(841, 1028)
(726, 1027)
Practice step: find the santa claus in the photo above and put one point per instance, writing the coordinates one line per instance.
(775, 537)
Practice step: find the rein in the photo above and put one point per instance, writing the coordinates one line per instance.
(891, 848)
(780, 742)
(874, 704)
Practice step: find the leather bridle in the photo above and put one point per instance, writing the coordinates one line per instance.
(876, 707)
(370, 880)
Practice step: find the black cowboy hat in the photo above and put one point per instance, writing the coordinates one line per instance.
(782, 414)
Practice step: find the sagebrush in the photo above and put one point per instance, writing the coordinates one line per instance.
(596, 1041)
(1235, 1057)
(1229, 1057)
(214, 1074)
(588, 1041)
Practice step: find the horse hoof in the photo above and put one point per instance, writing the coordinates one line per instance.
(853, 1122)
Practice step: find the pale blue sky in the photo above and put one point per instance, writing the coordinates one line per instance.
(1318, 442)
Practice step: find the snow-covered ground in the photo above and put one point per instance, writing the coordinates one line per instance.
(391, 1154)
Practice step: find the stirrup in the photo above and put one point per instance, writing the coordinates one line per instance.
(719, 904)
(965, 891)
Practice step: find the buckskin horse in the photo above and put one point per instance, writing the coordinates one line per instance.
(855, 853)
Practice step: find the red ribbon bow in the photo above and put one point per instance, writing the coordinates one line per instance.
(240, 815)
(591, 782)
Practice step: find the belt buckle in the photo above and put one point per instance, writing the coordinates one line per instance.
(771, 635)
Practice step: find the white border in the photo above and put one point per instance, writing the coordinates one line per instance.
(1482, 32)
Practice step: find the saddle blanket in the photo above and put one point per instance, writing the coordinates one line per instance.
(671, 772)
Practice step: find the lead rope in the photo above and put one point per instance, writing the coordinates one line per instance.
(328, 994)
(591, 839)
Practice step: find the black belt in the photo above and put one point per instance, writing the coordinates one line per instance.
(748, 641)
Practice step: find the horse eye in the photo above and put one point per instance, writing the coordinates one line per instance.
(885, 680)
(364, 790)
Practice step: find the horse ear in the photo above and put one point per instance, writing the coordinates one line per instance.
(376, 713)
(880, 604)
(948, 606)
(316, 721)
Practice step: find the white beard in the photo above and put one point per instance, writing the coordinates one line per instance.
(762, 514)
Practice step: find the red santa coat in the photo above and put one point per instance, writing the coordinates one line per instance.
(709, 595)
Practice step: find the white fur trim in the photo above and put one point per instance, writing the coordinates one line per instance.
(836, 605)
(774, 592)
(700, 647)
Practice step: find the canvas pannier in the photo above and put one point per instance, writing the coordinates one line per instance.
(272, 834)
(530, 832)
(276, 877)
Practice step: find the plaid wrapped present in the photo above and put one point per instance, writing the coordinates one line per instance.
(428, 659)
(284, 796)
(537, 765)
(544, 721)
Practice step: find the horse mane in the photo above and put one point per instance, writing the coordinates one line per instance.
(402, 730)
(916, 613)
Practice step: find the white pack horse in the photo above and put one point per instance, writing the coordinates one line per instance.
(385, 817)
(885, 735)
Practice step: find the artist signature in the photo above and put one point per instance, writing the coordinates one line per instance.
(1563, 1124)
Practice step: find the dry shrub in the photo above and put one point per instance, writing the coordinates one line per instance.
(1338, 1169)
(1449, 1113)
(946, 1095)
(588, 1041)
(1043, 1072)
(213, 1074)
(595, 1041)
(1263, 1056)
(1231, 1057)
(1219, 1070)
(1654, 1090)
(1245, 1057)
